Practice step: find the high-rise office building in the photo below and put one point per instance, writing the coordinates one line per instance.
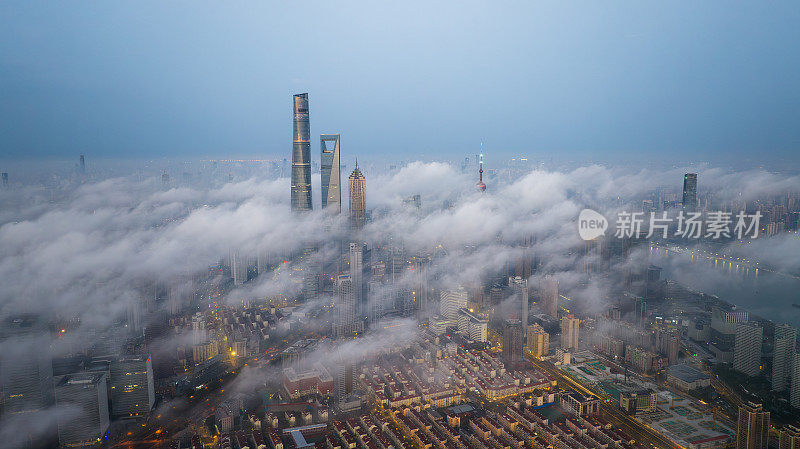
(538, 340)
(26, 373)
(549, 295)
(301, 155)
(473, 326)
(238, 265)
(418, 273)
(519, 287)
(5, 179)
(84, 400)
(794, 389)
(397, 263)
(723, 331)
(690, 192)
(132, 389)
(345, 308)
(789, 437)
(747, 349)
(312, 278)
(82, 165)
(783, 358)
(358, 198)
(357, 251)
(569, 332)
(512, 342)
(330, 168)
(752, 430)
(263, 262)
(343, 378)
(450, 301)
(135, 309)
(523, 265)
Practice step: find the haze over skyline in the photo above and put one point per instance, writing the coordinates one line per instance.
(669, 81)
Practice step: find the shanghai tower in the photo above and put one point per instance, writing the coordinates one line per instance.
(301, 156)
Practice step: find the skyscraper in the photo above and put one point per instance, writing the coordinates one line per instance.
(512, 342)
(690, 192)
(238, 268)
(357, 274)
(344, 378)
(538, 340)
(747, 349)
(132, 389)
(752, 431)
(26, 371)
(452, 300)
(520, 288)
(794, 389)
(330, 171)
(549, 295)
(418, 273)
(82, 165)
(785, 337)
(345, 310)
(301, 155)
(723, 331)
(83, 394)
(789, 437)
(5, 179)
(358, 198)
(569, 332)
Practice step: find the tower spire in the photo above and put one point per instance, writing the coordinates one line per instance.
(480, 172)
(481, 185)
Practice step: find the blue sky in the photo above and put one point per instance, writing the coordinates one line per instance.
(709, 80)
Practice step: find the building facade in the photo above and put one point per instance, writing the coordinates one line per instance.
(783, 358)
(330, 168)
(132, 388)
(473, 326)
(538, 341)
(301, 155)
(569, 332)
(520, 288)
(794, 389)
(747, 349)
(789, 437)
(83, 397)
(752, 430)
(549, 296)
(690, 192)
(344, 324)
(358, 198)
(512, 342)
(26, 373)
(450, 301)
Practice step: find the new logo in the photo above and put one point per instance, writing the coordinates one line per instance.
(591, 224)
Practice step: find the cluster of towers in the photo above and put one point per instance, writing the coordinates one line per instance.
(350, 287)
(330, 168)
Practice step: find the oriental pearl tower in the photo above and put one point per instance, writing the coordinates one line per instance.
(481, 186)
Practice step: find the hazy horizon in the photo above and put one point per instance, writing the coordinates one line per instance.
(601, 82)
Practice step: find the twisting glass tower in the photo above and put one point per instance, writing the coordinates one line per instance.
(301, 155)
